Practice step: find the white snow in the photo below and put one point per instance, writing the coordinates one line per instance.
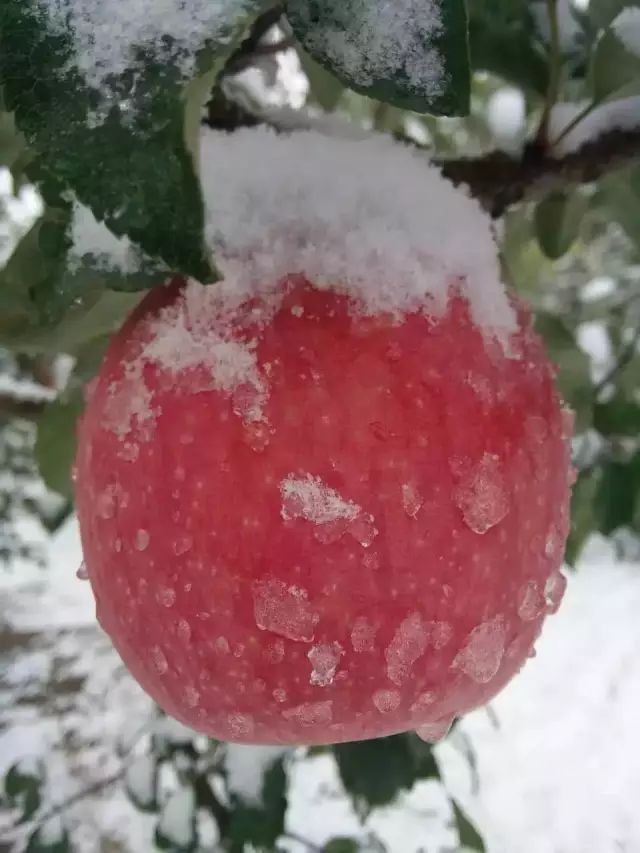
(627, 28)
(621, 114)
(309, 498)
(107, 36)
(18, 213)
(283, 205)
(245, 768)
(506, 117)
(140, 779)
(370, 41)
(178, 817)
(92, 239)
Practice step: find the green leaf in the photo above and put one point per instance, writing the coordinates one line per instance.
(558, 218)
(51, 837)
(260, 825)
(618, 495)
(414, 61)
(468, 835)
(325, 88)
(574, 377)
(56, 443)
(583, 514)
(376, 770)
(117, 141)
(620, 192)
(22, 787)
(615, 71)
(603, 12)
(503, 39)
(341, 845)
(618, 416)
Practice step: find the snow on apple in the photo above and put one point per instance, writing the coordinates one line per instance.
(325, 498)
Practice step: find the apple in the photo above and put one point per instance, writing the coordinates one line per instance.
(305, 523)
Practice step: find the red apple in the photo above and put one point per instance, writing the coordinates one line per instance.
(320, 526)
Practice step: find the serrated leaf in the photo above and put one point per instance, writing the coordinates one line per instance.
(413, 55)
(51, 837)
(260, 825)
(375, 771)
(558, 218)
(22, 787)
(116, 140)
(468, 836)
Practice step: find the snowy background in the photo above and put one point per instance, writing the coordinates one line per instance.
(557, 755)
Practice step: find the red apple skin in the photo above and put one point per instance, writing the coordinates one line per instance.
(417, 423)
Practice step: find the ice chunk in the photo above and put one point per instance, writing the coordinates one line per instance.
(363, 635)
(412, 500)
(240, 724)
(554, 590)
(531, 602)
(166, 596)
(482, 653)
(142, 540)
(283, 610)
(311, 713)
(482, 495)
(408, 644)
(309, 498)
(433, 732)
(386, 700)
(159, 660)
(324, 661)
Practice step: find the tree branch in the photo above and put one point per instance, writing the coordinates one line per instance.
(499, 181)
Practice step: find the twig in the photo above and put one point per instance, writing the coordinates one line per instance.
(555, 69)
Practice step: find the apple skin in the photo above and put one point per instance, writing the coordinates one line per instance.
(248, 620)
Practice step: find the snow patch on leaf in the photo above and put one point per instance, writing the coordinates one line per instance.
(245, 768)
(370, 41)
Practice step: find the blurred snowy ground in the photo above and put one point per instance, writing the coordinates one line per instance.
(558, 757)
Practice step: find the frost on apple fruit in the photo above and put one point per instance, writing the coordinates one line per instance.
(326, 498)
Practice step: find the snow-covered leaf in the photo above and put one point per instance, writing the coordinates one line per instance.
(410, 53)
(260, 824)
(98, 89)
(375, 771)
(176, 829)
(51, 837)
(23, 786)
(141, 783)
